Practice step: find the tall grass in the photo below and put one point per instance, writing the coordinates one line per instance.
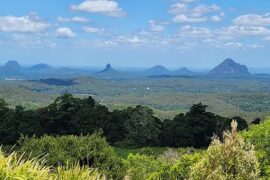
(76, 172)
(14, 167)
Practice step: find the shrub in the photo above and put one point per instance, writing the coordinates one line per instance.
(182, 166)
(231, 159)
(144, 167)
(170, 156)
(92, 151)
(259, 136)
(170, 165)
(146, 151)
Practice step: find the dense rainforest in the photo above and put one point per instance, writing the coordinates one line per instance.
(130, 127)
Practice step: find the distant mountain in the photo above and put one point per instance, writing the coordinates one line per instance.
(183, 71)
(157, 70)
(110, 73)
(42, 69)
(230, 68)
(39, 67)
(11, 68)
(107, 70)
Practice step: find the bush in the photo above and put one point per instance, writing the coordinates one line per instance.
(144, 167)
(92, 151)
(182, 167)
(231, 159)
(170, 165)
(146, 151)
(259, 136)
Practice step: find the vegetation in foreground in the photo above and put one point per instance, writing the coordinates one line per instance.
(63, 148)
(14, 166)
(92, 151)
(226, 159)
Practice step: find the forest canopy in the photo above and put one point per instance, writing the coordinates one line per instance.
(131, 127)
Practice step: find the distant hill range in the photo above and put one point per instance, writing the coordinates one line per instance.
(183, 71)
(40, 67)
(229, 68)
(13, 69)
(159, 70)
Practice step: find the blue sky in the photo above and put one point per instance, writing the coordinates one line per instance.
(135, 33)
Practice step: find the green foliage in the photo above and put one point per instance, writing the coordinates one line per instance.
(170, 165)
(142, 128)
(130, 127)
(16, 167)
(146, 151)
(77, 172)
(242, 123)
(144, 167)
(124, 152)
(13, 122)
(195, 128)
(230, 159)
(259, 136)
(88, 150)
(181, 169)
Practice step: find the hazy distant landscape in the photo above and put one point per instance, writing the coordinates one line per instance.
(225, 89)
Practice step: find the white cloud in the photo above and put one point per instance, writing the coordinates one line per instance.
(110, 43)
(255, 46)
(182, 18)
(65, 32)
(29, 40)
(200, 13)
(73, 19)
(253, 20)
(80, 19)
(93, 29)
(178, 8)
(106, 7)
(242, 46)
(216, 18)
(24, 24)
(189, 31)
(244, 31)
(156, 27)
(233, 45)
(134, 39)
(202, 9)
(130, 39)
